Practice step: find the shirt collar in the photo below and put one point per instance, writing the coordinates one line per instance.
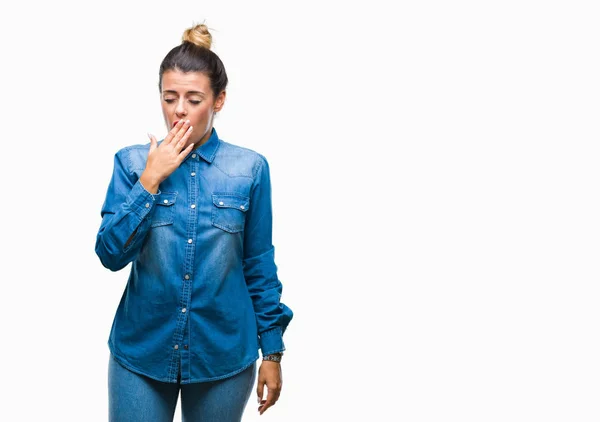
(208, 150)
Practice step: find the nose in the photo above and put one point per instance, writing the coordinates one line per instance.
(180, 110)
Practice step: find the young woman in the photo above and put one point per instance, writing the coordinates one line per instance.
(192, 214)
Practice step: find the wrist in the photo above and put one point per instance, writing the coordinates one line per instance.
(149, 182)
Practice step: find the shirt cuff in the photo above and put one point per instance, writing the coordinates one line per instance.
(271, 341)
(140, 200)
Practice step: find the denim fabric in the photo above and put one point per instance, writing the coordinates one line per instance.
(133, 397)
(203, 293)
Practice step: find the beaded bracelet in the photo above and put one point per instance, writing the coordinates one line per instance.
(276, 357)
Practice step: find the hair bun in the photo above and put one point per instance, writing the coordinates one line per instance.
(198, 35)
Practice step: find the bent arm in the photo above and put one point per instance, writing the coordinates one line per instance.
(125, 216)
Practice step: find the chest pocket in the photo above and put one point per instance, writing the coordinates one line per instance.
(229, 211)
(164, 211)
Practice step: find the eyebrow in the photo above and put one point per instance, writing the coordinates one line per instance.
(189, 92)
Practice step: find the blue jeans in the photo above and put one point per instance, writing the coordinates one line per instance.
(133, 397)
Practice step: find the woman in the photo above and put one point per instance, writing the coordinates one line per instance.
(192, 214)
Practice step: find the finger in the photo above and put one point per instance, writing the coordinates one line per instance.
(153, 143)
(180, 132)
(276, 393)
(184, 139)
(259, 390)
(271, 399)
(185, 153)
(173, 132)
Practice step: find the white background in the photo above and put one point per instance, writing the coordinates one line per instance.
(435, 191)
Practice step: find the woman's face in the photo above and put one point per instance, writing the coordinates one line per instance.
(188, 96)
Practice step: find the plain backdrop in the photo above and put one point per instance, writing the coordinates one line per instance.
(435, 190)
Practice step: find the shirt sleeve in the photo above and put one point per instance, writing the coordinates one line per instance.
(260, 271)
(126, 210)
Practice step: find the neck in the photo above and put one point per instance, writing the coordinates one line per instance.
(204, 138)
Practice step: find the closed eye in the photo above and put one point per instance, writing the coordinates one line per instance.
(169, 101)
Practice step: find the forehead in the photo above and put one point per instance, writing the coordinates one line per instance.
(175, 80)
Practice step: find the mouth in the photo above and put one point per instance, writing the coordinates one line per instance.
(174, 123)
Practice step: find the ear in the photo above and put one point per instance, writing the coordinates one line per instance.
(220, 101)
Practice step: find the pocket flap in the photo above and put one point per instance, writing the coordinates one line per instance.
(166, 198)
(231, 200)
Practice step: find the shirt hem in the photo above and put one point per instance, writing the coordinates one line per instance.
(122, 361)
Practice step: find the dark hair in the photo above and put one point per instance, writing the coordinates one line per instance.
(194, 55)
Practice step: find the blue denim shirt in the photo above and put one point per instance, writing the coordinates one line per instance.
(203, 293)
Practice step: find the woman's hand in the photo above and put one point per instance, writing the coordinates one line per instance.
(164, 159)
(269, 374)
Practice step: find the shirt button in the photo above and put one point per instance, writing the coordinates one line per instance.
(187, 277)
(189, 240)
(147, 205)
(176, 347)
(220, 202)
(242, 207)
(166, 201)
(186, 347)
(193, 173)
(193, 206)
(183, 310)
(193, 155)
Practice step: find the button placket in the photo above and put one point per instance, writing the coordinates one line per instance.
(189, 258)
